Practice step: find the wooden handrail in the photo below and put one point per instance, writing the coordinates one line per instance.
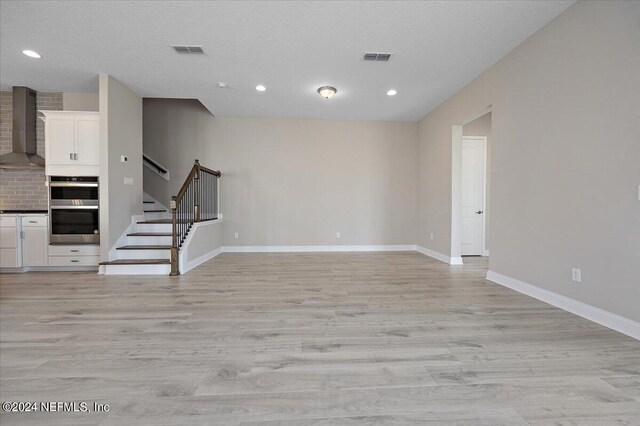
(207, 170)
(186, 184)
(154, 164)
(191, 193)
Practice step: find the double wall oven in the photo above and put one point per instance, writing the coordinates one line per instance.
(74, 210)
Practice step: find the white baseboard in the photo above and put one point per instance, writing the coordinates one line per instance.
(615, 322)
(439, 256)
(303, 249)
(456, 260)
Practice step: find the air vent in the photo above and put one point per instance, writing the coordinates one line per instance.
(188, 49)
(376, 56)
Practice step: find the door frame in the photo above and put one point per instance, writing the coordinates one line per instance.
(483, 139)
(456, 187)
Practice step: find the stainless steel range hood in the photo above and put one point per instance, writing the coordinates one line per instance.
(23, 155)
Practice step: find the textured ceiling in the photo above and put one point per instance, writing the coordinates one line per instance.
(290, 47)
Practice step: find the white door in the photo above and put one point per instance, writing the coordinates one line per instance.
(62, 140)
(34, 246)
(473, 172)
(88, 143)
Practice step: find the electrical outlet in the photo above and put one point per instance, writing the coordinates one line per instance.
(128, 181)
(431, 235)
(338, 235)
(236, 235)
(575, 275)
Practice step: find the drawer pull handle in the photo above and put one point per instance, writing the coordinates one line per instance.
(33, 221)
(74, 261)
(75, 251)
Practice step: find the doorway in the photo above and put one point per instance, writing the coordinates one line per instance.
(471, 187)
(472, 195)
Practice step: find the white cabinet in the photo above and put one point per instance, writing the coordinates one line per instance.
(35, 240)
(72, 143)
(9, 253)
(88, 141)
(24, 246)
(60, 142)
(78, 255)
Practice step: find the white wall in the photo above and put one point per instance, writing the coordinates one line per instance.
(120, 134)
(566, 157)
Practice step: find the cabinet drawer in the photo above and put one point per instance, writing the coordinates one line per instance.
(78, 250)
(8, 258)
(74, 260)
(34, 221)
(7, 221)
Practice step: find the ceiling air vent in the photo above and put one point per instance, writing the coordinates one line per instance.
(376, 56)
(188, 49)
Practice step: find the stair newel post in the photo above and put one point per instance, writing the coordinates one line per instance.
(196, 199)
(175, 270)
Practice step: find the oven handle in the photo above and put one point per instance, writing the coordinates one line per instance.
(73, 207)
(67, 184)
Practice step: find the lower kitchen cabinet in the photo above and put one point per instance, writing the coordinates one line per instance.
(9, 249)
(74, 255)
(74, 260)
(24, 246)
(35, 240)
(9, 258)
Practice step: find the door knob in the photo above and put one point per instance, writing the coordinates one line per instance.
(479, 212)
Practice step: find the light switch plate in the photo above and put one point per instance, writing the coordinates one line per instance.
(128, 181)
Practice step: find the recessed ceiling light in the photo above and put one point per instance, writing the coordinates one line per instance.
(392, 92)
(327, 91)
(260, 88)
(32, 54)
(222, 84)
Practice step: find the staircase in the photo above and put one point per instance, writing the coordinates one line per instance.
(152, 245)
(148, 246)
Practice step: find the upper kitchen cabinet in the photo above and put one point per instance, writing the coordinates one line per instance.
(72, 143)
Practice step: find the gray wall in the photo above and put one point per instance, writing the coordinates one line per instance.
(120, 134)
(80, 101)
(172, 133)
(481, 126)
(23, 188)
(298, 182)
(566, 157)
(290, 181)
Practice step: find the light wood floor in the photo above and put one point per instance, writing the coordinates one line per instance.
(325, 338)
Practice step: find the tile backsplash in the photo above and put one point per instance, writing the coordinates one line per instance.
(24, 188)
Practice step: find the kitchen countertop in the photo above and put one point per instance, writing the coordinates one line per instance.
(8, 211)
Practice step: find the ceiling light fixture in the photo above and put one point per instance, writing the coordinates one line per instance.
(327, 91)
(32, 54)
(260, 88)
(392, 92)
(222, 84)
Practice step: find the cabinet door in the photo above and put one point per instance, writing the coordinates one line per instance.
(60, 143)
(34, 246)
(88, 141)
(8, 237)
(8, 258)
